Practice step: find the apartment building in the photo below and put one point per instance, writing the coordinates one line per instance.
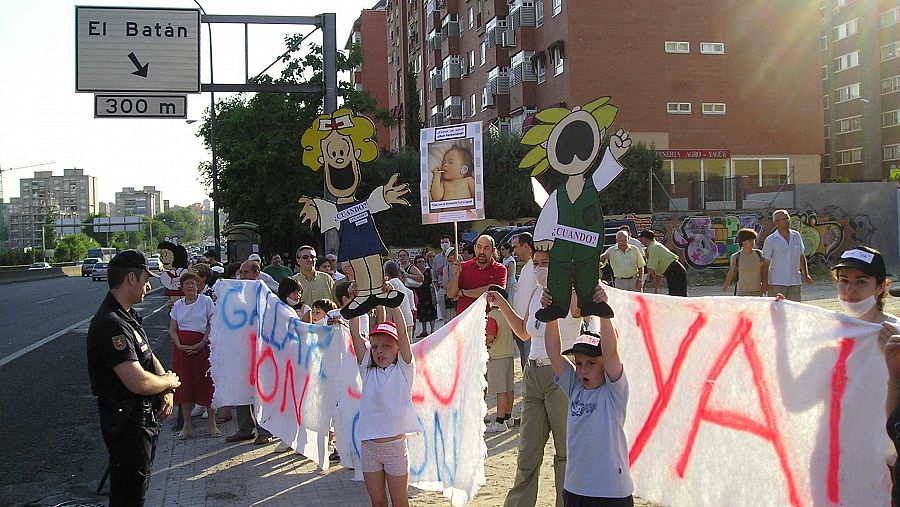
(370, 34)
(72, 196)
(727, 90)
(860, 72)
(145, 202)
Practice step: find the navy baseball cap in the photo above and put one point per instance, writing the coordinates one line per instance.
(131, 259)
(866, 259)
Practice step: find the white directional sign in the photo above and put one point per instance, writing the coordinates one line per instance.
(120, 49)
(142, 106)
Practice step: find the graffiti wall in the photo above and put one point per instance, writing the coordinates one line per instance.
(707, 239)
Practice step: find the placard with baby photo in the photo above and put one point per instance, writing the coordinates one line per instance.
(452, 174)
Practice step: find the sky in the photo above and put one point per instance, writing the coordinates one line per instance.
(43, 119)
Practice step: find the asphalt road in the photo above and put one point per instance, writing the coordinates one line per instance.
(52, 451)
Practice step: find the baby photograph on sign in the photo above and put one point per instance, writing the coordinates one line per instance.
(452, 177)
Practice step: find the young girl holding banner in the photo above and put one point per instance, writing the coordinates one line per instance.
(386, 412)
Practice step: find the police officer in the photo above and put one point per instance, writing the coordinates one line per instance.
(133, 390)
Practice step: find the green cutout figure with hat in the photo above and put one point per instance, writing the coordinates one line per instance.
(571, 224)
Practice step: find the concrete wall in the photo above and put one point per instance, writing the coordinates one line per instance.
(869, 209)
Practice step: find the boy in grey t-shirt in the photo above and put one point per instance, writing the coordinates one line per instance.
(597, 470)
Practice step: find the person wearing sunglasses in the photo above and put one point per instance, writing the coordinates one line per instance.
(316, 284)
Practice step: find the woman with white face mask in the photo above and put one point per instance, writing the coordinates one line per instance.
(862, 285)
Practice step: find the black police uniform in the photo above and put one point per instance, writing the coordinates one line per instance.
(128, 421)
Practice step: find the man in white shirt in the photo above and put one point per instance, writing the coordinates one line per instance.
(784, 265)
(262, 275)
(523, 248)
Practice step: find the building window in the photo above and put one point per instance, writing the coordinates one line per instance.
(539, 13)
(483, 51)
(846, 30)
(471, 60)
(471, 18)
(474, 101)
(890, 51)
(713, 108)
(849, 124)
(889, 18)
(712, 48)
(540, 70)
(678, 107)
(824, 72)
(556, 56)
(823, 43)
(827, 131)
(890, 85)
(890, 118)
(891, 152)
(846, 93)
(841, 3)
(824, 101)
(678, 47)
(846, 61)
(846, 157)
(557, 7)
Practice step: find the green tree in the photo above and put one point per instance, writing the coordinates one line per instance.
(413, 108)
(119, 241)
(50, 235)
(74, 247)
(185, 223)
(258, 148)
(630, 192)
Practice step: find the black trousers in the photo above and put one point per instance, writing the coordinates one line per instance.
(676, 279)
(129, 429)
(573, 500)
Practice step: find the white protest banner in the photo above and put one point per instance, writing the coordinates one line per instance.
(262, 354)
(299, 377)
(749, 401)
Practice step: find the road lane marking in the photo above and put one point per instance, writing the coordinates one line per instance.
(15, 355)
(20, 353)
(45, 300)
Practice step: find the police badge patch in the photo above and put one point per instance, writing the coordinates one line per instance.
(119, 342)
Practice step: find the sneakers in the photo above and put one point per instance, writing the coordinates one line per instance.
(282, 447)
(205, 414)
(198, 410)
(512, 422)
(495, 427)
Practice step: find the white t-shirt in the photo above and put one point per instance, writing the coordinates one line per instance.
(784, 258)
(524, 287)
(408, 300)
(569, 328)
(385, 408)
(195, 316)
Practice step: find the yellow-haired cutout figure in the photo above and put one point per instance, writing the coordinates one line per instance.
(571, 224)
(339, 142)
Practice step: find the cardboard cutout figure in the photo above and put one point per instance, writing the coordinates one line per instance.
(174, 259)
(340, 142)
(571, 224)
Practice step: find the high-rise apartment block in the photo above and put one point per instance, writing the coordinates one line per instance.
(146, 202)
(726, 90)
(860, 71)
(70, 196)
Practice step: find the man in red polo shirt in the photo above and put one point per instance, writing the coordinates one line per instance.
(472, 278)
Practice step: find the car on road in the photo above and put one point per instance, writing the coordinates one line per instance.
(39, 265)
(99, 271)
(87, 265)
(154, 264)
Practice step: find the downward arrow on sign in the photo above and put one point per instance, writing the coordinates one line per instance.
(141, 69)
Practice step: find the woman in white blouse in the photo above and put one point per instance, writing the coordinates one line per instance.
(189, 328)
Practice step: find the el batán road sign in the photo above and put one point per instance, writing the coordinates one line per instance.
(119, 49)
